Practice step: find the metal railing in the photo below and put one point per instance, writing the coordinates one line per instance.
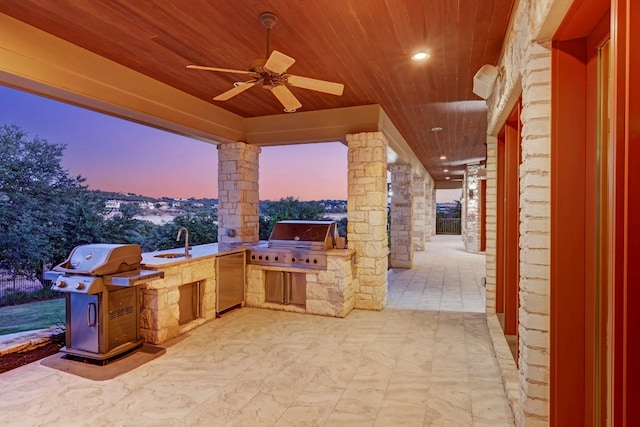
(20, 290)
(448, 226)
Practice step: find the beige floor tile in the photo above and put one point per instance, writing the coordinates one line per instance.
(425, 360)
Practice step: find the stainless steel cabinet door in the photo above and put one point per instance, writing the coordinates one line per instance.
(230, 276)
(297, 289)
(85, 322)
(274, 286)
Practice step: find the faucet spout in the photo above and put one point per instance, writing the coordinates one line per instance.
(186, 240)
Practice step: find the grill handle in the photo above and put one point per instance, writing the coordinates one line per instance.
(91, 309)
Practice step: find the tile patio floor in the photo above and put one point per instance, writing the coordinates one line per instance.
(426, 360)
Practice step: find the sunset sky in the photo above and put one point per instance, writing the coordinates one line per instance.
(117, 155)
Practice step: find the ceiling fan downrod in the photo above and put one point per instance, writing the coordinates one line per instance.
(269, 20)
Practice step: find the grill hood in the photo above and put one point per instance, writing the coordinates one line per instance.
(316, 235)
(101, 259)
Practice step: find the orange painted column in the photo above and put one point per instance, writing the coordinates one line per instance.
(500, 229)
(625, 295)
(511, 224)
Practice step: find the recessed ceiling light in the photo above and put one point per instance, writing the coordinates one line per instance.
(436, 129)
(420, 56)
(446, 170)
(443, 157)
(447, 177)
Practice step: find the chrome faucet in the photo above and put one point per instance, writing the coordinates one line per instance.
(186, 240)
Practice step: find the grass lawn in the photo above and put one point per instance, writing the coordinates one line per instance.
(35, 315)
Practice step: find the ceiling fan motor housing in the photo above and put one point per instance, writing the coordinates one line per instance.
(268, 19)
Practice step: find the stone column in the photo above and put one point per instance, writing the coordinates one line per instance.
(471, 208)
(429, 209)
(238, 202)
(433, 210)
(419, 213)
(367, 216)
(401, 251)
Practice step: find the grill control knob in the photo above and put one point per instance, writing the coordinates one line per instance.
(80, 286)
(315, 261)
(307, 260)
(253, 257)
(62, 284)
(266, 258)
(293, 259)
(277, 258)
(260, 257)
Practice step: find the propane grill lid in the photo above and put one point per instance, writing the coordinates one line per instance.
(100, 259)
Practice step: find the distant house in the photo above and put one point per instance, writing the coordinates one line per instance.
(113, 204)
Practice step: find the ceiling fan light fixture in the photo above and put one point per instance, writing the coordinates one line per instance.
(420, 56)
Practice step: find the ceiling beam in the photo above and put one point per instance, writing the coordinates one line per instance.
(38, 62)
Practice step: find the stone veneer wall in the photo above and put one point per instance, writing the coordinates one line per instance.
(367, 216)
(330, 292)
(419, 213)
(238, 199)
(401, 251)
(527, 66)
(160, 310)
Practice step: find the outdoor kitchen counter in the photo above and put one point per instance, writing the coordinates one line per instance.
(151, 260)
(162, 299)
(329, 291)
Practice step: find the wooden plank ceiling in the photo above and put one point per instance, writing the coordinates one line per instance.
(365, 44)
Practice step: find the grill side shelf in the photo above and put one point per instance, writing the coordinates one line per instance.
(133, 278)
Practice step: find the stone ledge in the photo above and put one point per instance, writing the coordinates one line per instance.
(507, 367)
(28, 340)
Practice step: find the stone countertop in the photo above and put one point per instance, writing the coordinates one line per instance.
(150, 260)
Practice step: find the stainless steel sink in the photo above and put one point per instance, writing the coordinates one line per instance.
(171, 255)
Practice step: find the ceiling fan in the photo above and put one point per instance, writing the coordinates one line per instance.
(271, 74)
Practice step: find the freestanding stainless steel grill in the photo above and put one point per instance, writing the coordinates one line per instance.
(102, 299)
(296, 243)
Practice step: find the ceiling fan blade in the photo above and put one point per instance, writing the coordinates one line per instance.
(278, 62)
(286, 98)
(235, 90)
(317, 85)
(223, 70)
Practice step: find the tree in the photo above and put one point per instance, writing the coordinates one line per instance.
(124, 228)
(35, 195)
(288, 208)
(202, 230)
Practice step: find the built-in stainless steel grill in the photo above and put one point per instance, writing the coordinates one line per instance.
(102, 299)
(300, 244)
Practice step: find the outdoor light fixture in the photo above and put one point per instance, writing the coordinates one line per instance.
(485, 80)
(443, 157)
(436, 129)
(445, 170)
(420, 56)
